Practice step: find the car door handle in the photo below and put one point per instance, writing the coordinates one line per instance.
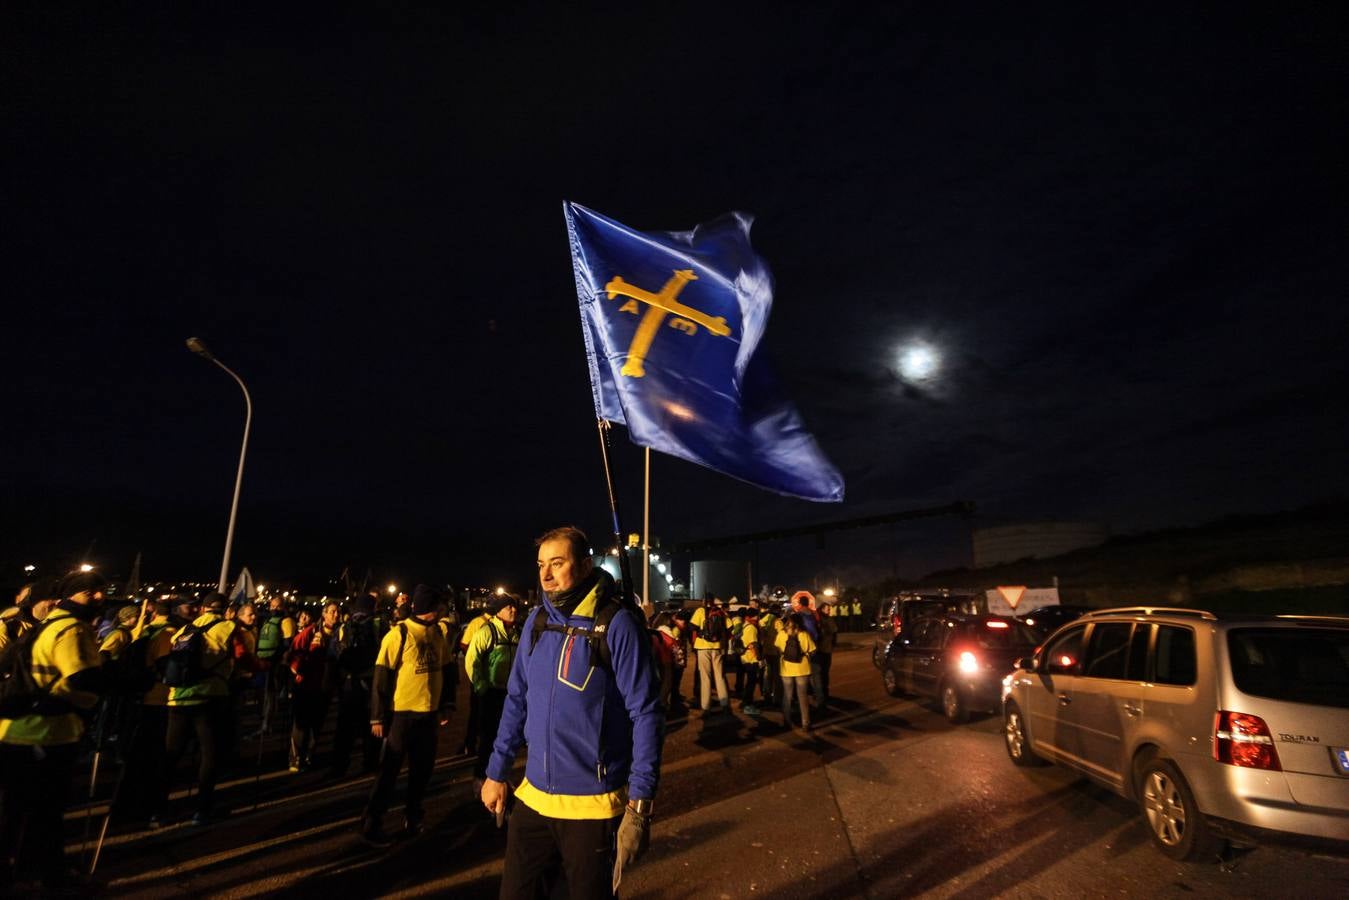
(1132, 710)
(1064, 699)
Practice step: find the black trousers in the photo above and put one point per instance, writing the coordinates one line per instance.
(753, 675)
(36, 783)
(474, 714)
(541, 851)
(353, 726)
(143, 790)
(772, 686)
(491, 705)
(311, 708)
(202, 721)
(410, 735)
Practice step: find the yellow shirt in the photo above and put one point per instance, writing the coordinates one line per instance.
(418, 679)
(796, 669)
(65, 647)
(12, 613)
(115, 642)
(161, 640)
(572, 806)
(288, 629)
(696, 620)
(216, 659)
(750, 638)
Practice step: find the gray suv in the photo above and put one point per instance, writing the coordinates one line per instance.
(1219, 727)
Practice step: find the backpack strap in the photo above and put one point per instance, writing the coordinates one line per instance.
(402, 642)
(597, 635)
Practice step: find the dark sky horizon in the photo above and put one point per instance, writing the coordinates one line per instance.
(1123, 234)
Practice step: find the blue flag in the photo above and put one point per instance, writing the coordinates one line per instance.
(671, 323)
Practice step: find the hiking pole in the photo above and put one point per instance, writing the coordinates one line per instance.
(112, 801)
(93, 774)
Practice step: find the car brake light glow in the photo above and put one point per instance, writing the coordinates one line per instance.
(969, 664)
(997, 624)
(1240, 739)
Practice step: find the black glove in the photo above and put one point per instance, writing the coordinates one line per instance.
(634, 834)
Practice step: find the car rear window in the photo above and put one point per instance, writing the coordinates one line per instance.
(1016, 636)
(1300, 665)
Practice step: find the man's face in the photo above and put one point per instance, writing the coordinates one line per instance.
(507, 615)
(330, 617)
(247, 615)
(276, 605)
(558, 570)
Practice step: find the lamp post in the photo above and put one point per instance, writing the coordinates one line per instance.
(197, 347)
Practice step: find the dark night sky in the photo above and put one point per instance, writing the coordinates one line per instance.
(1124, 233)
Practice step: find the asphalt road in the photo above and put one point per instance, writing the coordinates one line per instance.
(885, 800)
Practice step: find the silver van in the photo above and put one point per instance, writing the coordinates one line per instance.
(1220, 727)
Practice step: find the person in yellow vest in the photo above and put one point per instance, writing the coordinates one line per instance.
(488, 663)
(750, 663)
(31, 606)
(198, 670)
(407, 707)
(796, 648)
(38, 748)
(120, 636)
(770, 623)
(465, 637)
(142, 792)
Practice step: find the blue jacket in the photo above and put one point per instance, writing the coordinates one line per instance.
(588, 732)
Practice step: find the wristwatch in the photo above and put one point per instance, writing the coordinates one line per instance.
(641, 807)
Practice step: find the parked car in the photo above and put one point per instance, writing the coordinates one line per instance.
(1048, 619)
(1219, 727)
(957, 659)
(896, 614)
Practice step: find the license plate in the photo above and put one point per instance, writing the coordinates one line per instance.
(1341, 755)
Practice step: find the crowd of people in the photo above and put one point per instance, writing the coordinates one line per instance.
(145, 682)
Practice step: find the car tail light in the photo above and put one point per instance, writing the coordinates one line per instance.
(996, 624)
(969, 663)
(1240, 739)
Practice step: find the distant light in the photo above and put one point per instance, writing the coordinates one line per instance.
(669, 579)
(613, 552)
(918, 362)
(829, 592)
(660, 567)
(262, 588)
(85, 567)
(501, 591)
(393, 589)
(150, 590)
(655, 557)
(29, 568)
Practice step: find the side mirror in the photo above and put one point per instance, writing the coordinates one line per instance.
(1027, 663)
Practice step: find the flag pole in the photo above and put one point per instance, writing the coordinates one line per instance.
(646, 536)
(624, 567)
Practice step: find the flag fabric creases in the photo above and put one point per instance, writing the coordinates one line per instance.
(672, 322)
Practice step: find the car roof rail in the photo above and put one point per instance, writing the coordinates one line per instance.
(1152, 611)
(1315, 620)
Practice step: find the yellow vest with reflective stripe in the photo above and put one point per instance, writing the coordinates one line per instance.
(65, 647)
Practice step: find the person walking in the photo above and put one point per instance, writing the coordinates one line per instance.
(358, 645)
(407, 707)
(275, 635)
(197, 670)
(143, 793)
(824, 655)
(488, 663)
(40, 740)
(582, 687)
(313, 657)
(750, 662)
(711, 632)
(796, 648)
(770, 623)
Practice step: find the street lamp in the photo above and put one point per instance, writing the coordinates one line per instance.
(197, 347)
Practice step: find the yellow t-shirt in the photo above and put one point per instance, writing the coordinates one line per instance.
(796, 669)
(65, 646)
(418, 679)
(750, 638)
(115, 643)
(696, 620)
(572, 806)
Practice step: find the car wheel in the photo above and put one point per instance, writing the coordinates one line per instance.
(953, 705)
(1174, 821)
(891, 682)
(1016, 738)
(877, 656)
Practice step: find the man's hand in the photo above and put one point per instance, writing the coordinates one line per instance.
(377, 729)
(494, 796)
(634, 833)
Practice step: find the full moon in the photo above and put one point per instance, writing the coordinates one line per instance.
(918, 362)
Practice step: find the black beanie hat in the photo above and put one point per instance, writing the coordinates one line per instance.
(424, 599)
(497, 604)
(43, 589)
(363, 605)
(214, 601)
(76, 582)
